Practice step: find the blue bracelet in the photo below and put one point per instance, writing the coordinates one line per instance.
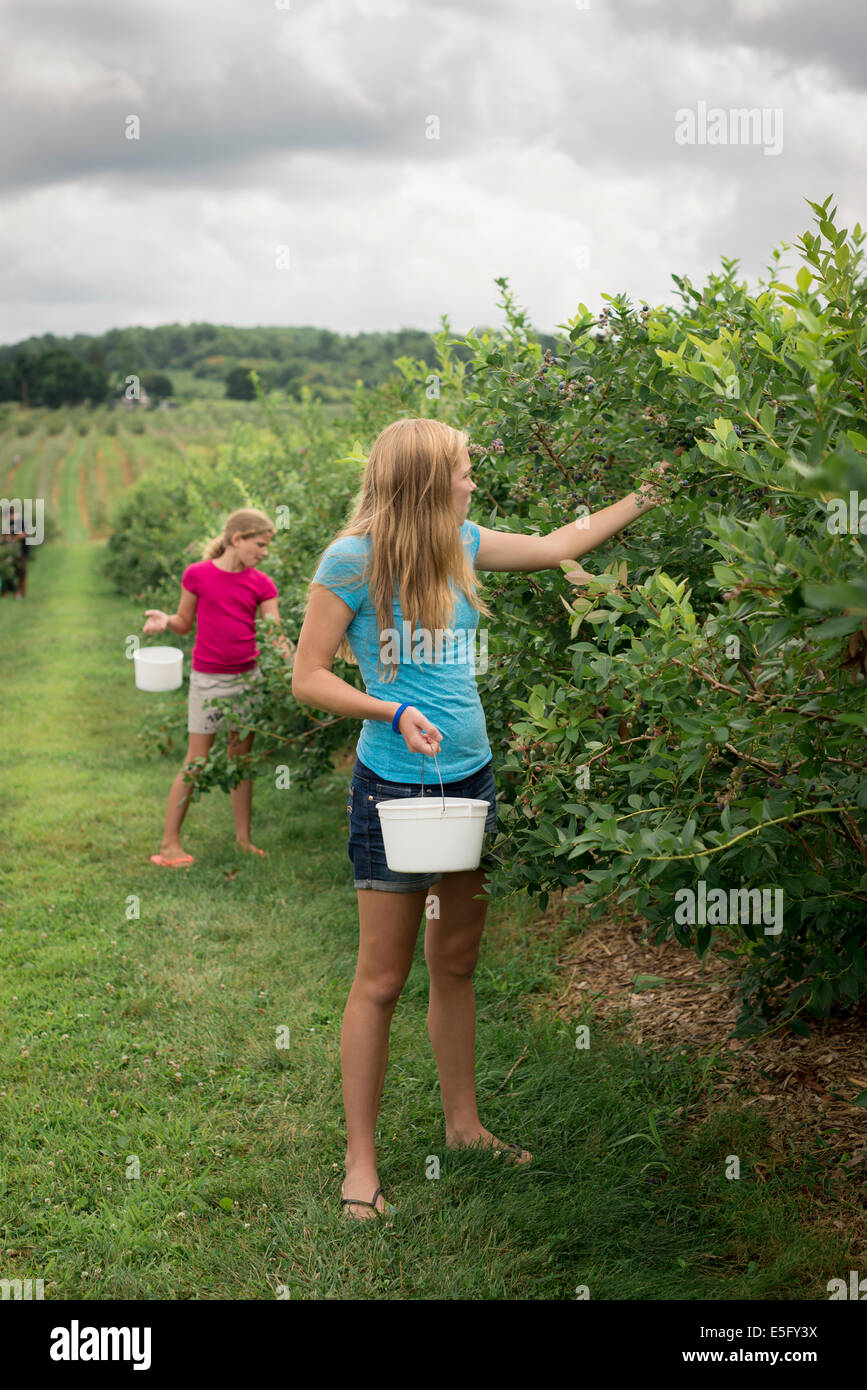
(396, 720)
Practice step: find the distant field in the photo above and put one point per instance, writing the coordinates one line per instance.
(80, 461)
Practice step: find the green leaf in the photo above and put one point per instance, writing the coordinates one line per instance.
(723, 428)
(837, 595)
(642, 982)
(836, 627)
(808, 318)
(768, 418)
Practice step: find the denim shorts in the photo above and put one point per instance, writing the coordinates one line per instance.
(366, 849)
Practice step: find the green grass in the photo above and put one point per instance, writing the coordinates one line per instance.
(69, 519)
(13, 444)
(31, 449)
(140, 1011)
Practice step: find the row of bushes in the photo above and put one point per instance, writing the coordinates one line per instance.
(685, 735)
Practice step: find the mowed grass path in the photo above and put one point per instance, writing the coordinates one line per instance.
(158, 1144)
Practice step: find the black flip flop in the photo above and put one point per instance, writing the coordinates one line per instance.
(513, 1149)
(357, 1202)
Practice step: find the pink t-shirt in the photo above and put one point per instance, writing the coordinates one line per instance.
(226, 614)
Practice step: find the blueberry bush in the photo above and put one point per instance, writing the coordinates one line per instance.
(693, 719)
(688, 727)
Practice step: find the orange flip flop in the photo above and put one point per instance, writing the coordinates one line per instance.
(172, 863)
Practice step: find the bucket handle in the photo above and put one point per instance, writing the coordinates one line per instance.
(439, 774)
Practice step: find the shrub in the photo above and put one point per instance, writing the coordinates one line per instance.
(689, 725)
(695, 716)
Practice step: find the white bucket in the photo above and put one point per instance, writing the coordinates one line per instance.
(158, 668)
(432, 834)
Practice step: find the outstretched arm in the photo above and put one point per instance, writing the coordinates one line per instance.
(506, 550)
(158, 621)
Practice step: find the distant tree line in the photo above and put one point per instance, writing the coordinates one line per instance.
(50, 377)
(53, 371)
(55, 377)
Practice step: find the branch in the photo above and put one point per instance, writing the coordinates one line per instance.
(509, 1073)
(802, 841)
(549, 451)
(745, 758)
(622, 744)
(757, 698)
(717, 849)
(500, 509)
(854, 834)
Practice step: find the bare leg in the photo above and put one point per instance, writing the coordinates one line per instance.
(242, 795)
(451, 948)
(179, 797)
(388, 927)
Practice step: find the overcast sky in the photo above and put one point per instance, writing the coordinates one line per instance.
(284, 170)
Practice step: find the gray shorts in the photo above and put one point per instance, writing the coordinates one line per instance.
(217, 685)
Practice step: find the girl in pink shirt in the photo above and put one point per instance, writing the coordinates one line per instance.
(222, 593)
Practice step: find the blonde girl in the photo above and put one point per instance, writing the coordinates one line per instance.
(222, 593)
(409, 552)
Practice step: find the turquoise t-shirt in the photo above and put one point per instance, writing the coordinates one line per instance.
(441, 681)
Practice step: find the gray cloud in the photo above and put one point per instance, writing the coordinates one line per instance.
(306, 126)
(788, 34)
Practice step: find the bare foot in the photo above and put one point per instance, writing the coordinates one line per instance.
(172, 850)
(484, 1139)
(362, 1181)
(248, 845)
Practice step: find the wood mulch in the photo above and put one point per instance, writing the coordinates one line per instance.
(804, 1086)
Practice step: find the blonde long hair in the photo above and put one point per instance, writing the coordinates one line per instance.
(406, 507)
(247, 520)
